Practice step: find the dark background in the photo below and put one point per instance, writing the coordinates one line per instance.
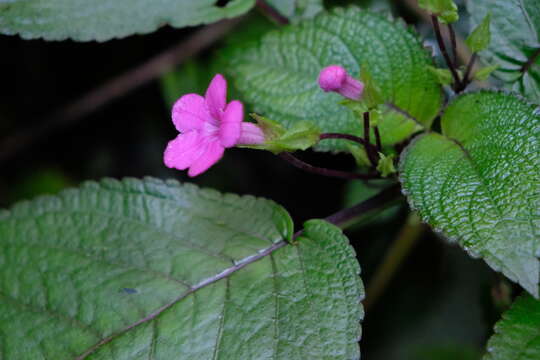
(439, 304)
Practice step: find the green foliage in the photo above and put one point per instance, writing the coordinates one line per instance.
(446, 10)
(515, 36)
(444, 76)
(517, 334)
(101, 20)
(301, 136)
(279, 76)
(484, 73)
(386, 165)
(479, 39)
(138, 269)
(297, 10)
(478, 183)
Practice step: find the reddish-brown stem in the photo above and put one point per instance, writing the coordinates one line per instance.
(467, 76)
(370, 150)
(378, 138)
(454, 44)
(324, 171)
(444, 52)
(530, 61)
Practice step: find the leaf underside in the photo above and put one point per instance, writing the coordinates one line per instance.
(479, 183)
(279, 75)
(151, 269)
(101, 20)
(515, 36)
(298, 9)
(517, 335)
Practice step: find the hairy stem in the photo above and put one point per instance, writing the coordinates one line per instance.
(324, 171)
(442, 46)
(400, 248)
(530, 61)
(271, 13)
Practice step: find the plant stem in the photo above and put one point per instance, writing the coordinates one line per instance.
(454, 43)
(378, 138)
(271, 13)
(324, 171)
(356, 139)
(530, 61)
(347, 216)
(444, 52)
(400, 248)
(466, 77)
(371, 152)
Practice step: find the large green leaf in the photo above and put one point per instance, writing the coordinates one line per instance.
(151, 269)
(515, 36)
(296, 10)
(479, 183)
(517, 334)
(279, 75)
(101, 20)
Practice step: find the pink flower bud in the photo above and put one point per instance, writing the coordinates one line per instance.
(335, 78)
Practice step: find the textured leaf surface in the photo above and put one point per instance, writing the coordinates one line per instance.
(279, 75)
(147, 269)
(517, 335)
(515, 35)
(296, 10)
(479, 183)
(101, 20)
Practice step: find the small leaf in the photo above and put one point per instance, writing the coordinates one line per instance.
(151, 269)
(386, 165)
(101, 20)
(479, 183)
(446, 10)
(444, 76)
(484, 73)
(372, 95)
(279, 75)
(360, 155)
(517, 334)
(479, 39)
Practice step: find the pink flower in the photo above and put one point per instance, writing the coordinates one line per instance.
(335, 78)
(207, 126)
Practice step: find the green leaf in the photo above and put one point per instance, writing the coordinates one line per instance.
(479, 39)
(386, 165)
(444, 76)
(517, 334)
(151, 269)
(479, 183)
(484, 73)
(515, 38)
(446, 10)
(279, 76)
(101, 20)
(297, 10)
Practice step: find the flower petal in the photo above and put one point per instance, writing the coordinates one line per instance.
(190, 112)
(216, 96)
(184, 150)
(213, 152)
(251, 134)
(231, 121)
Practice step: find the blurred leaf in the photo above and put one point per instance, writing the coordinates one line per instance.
(279, 77)
(444, 76)
(484, 73)
(480, 37)
(517, 334)
(478, 183)
(515, 38)
(138, 269)
(298, 9)
(386, 165)
(101, 20)
(446, 10)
